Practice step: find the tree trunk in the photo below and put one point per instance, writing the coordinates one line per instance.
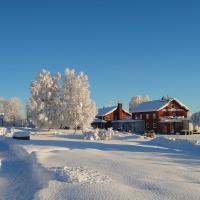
(75, 130)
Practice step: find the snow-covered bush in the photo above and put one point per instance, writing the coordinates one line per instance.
(92, 134)
(99, 134)
(106, 134)
(3, 131)
(150, 134)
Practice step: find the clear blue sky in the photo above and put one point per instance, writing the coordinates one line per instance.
(127, 48)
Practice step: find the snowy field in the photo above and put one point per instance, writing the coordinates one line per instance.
(57, 165)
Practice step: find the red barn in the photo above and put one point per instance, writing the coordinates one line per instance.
(163, 116)
(106, 115)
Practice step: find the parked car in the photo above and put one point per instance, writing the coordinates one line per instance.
(186, 132)
(21, 135)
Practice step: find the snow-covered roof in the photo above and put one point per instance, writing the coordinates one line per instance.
(106, 110)
(155, 105)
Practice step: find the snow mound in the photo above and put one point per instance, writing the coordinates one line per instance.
(173, 143)
(79, 175)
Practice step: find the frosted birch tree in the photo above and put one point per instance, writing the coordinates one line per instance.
(136, 100)
(13, 110)
(196, 119)
(44, 103)
(2, 105)
(78, 108)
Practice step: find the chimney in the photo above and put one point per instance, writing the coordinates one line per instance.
(120, 111)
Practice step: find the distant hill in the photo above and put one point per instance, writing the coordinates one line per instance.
(196, 118)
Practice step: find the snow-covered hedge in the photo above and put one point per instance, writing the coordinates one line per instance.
(4, 131)
(99, 134)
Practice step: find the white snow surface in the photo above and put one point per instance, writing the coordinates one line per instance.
(59, 165)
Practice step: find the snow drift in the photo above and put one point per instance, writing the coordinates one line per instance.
(173, 143)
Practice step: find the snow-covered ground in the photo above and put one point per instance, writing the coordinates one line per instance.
(59, 165)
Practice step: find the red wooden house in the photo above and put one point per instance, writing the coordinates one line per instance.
(163, 116)
(106, 115)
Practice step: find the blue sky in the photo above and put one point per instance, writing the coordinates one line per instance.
(127, 48)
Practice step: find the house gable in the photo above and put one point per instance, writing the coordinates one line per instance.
(113, 113)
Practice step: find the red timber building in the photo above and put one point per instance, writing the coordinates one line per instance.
(162, 116)
(106, 115)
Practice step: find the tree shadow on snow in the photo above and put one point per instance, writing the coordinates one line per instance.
(181, 156)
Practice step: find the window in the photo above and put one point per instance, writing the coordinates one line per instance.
(147, 125)
(140, 116)
(147, 116)
(154, 115)
(154, 125)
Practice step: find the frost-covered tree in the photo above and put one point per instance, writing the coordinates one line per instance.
(196, 119)
(136, 100)
(2, 110)
(13, 110)
(2, 105)
(88, 106)
(44, 103)
(78, 108)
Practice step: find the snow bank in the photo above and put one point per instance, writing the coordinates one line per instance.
(24, 176)
(99, 134)
(175, 143)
